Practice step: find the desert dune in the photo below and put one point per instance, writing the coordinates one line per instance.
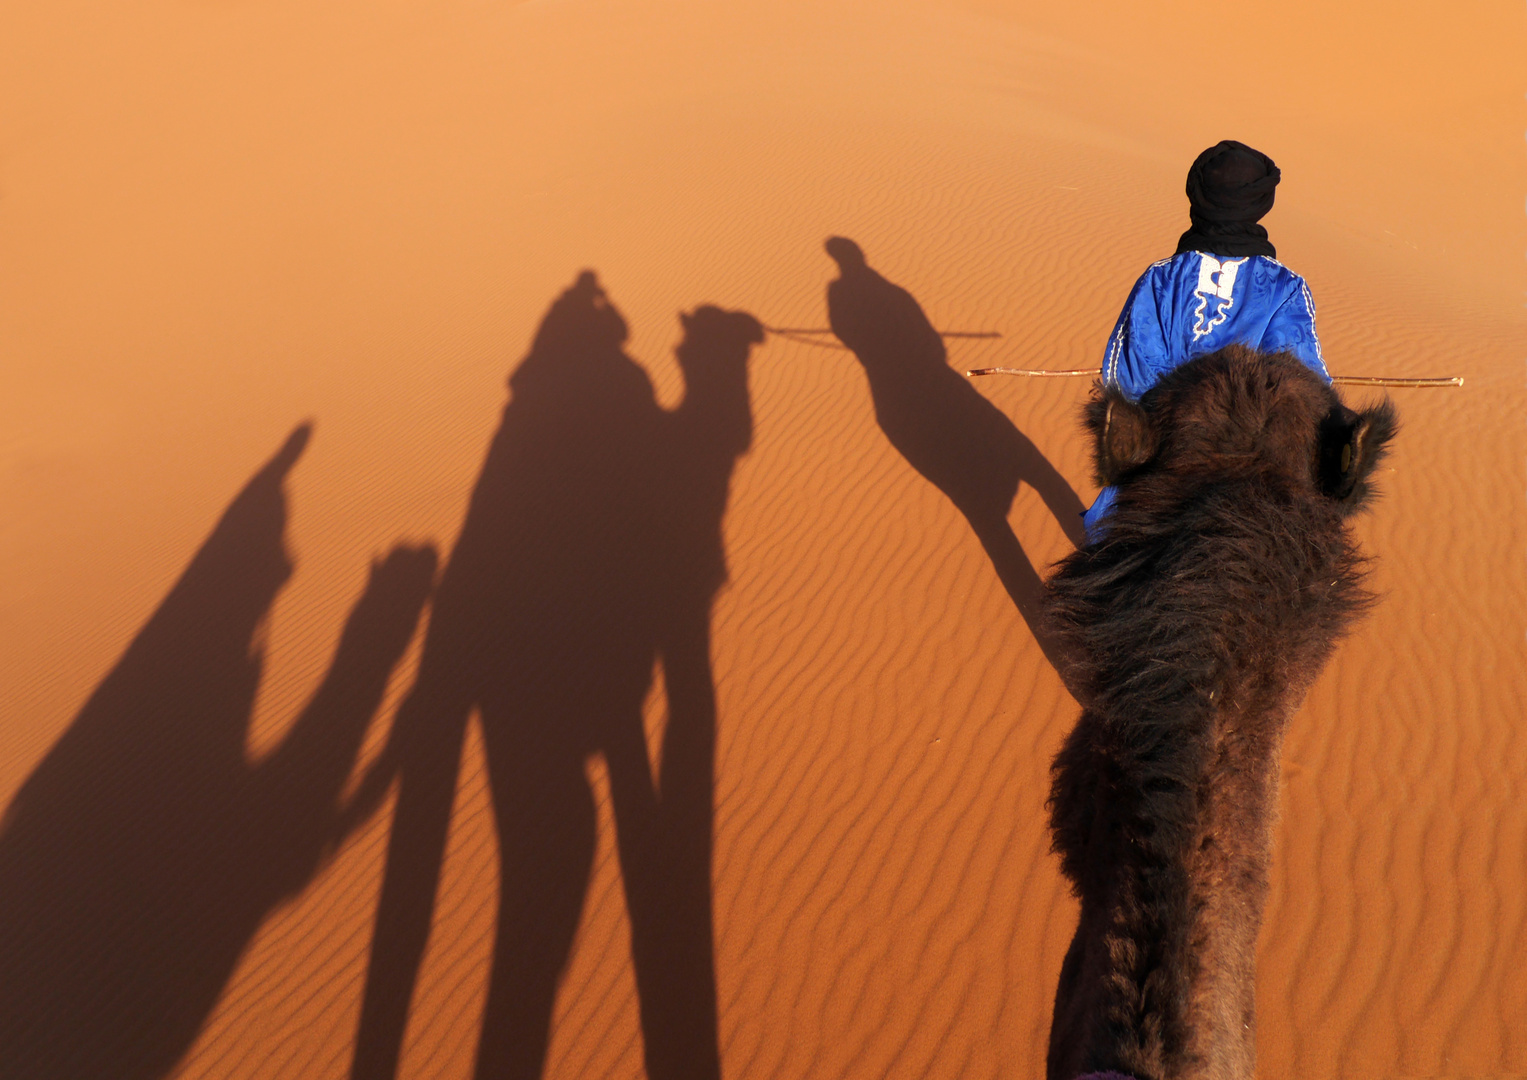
(270, 274)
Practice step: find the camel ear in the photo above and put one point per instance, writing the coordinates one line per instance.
(1123, 436)
(1351, 446)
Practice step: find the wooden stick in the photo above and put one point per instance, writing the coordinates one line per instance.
(797, 332)
(1349, 380)
(802, 339)
(1030, 371)
(941, 333)
(1366, 380)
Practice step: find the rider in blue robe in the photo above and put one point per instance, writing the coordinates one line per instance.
(1222, 287)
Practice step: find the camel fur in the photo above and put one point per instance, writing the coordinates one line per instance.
(1190, 632)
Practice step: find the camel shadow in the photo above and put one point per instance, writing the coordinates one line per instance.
(944, 427)
(590, 553)
(140, 857)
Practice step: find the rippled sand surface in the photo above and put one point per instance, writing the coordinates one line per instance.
(222, 219)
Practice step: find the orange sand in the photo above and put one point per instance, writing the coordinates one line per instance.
(218, 218)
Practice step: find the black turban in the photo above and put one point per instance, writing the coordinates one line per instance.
(1230, 187)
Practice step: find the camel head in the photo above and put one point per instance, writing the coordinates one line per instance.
(712, 335)
(1191, 631)
(1240, 414)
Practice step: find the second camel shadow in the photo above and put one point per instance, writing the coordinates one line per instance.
(591, 552)
(957, 439)
(145, 851)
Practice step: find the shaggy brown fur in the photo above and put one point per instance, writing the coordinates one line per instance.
(1192, 631)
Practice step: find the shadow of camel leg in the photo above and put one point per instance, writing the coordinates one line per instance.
(664, 839)
(547, 829)
(1054, 489)
(687, 793)
(415, 851)
(1021, 581)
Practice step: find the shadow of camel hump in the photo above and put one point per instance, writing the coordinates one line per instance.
(590, 552)
(139, 858)
(956, 439)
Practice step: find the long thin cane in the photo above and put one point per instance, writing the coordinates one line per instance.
(1348, 380)
(804, 335)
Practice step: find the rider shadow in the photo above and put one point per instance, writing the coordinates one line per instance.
(141, 856)
(591, 552)
(944, 427)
